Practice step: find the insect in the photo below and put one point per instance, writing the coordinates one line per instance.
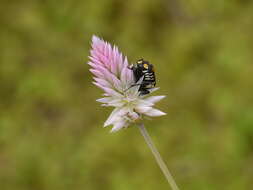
(144, 69)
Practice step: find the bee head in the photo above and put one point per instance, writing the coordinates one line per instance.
(144, 65)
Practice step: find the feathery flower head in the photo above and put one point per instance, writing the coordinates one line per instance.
(112, 75)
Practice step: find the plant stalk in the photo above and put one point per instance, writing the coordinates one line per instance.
(158, 157)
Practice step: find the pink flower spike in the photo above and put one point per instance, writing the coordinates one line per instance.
(113, 76)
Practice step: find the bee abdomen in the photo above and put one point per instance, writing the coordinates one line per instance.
(149, 77)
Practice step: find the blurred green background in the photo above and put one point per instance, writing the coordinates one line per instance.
(51, 135)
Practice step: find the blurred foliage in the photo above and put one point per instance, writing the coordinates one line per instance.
(51, 134)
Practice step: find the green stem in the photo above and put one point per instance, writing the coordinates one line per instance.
(158, 157)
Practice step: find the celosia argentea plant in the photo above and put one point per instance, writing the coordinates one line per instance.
(128, 95)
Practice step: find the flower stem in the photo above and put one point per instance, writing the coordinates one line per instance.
(158, 157)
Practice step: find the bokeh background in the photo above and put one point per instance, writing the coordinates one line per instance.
(51, 135)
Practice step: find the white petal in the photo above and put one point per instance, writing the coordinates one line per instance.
(142, 109)
(134, 90)
(105, 100)
(154, 113)
(154, 99)
(109, 101)
(116, 115)
(141, 102)
(119, 125)
(116, 103)
(153, 89)
(112, 117)
(133, 116)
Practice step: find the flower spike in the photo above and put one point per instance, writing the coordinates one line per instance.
(112, 74)
(122, 90)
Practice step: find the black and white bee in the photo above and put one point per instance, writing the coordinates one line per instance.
(146, 70)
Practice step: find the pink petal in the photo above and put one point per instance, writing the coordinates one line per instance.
(123, 75)
(105, 60)
(102, 70)
(107, 49)
(116, 82)
(97, 73)
(99, 85)
(129, 76)
(105, 73)
(120, 62)
(107, 63)
(102, 82)
(113, 67)
(95, 61)
(91, 64)
(107, 90)
(95, 39)
(111, 92)
(125, 63)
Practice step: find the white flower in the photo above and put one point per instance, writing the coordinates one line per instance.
(114, 77)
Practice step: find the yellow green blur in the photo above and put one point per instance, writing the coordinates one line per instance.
(51, 135)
